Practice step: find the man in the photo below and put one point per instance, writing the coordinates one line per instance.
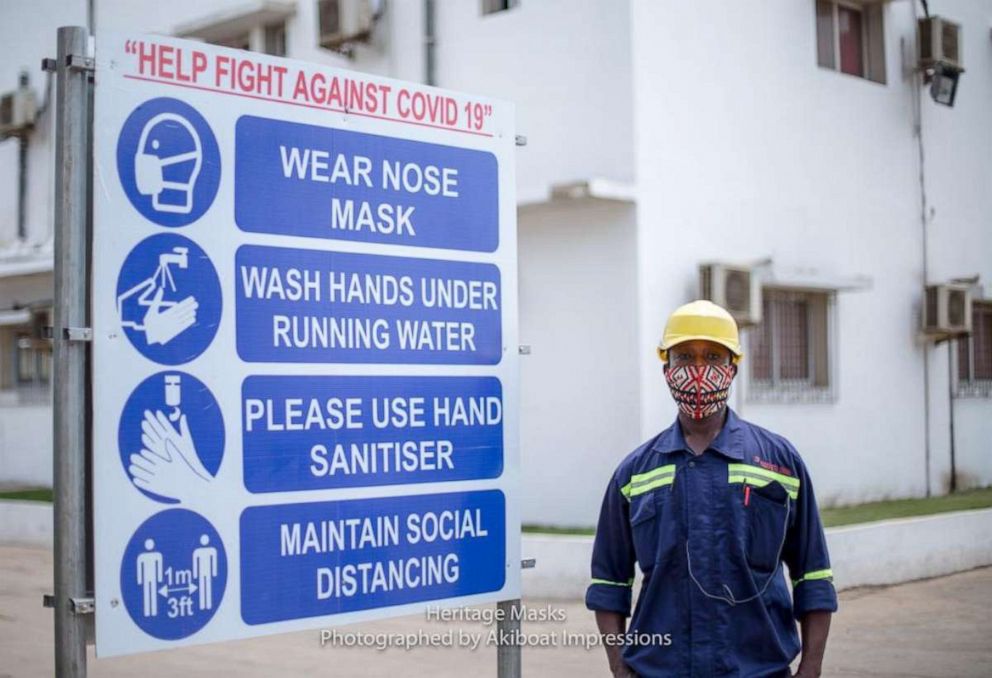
(709, 509)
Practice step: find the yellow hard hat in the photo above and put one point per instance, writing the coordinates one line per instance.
(701, 320)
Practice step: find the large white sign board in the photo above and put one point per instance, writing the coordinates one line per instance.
(304, 361)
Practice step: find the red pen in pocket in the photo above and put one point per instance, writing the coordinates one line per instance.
(747, 494)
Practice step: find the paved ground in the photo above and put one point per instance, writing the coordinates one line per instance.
(939, 627)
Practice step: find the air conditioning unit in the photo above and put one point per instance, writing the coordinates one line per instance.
(940, 43)
(343, 22)
(947, 310)
(736, 288)
(17, 111)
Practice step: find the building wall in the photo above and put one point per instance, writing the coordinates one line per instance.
(742, 149)
(749, 150)
(25, 443)
(27, 33)
(564, 63)
(579, 384)
(958, 164)
(566, 66)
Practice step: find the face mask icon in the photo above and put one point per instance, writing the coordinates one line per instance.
(167, 162)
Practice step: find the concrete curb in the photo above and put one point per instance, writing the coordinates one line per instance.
(869, 554)
(26, 522)
(896, 551)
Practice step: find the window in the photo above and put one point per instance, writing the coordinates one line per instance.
(26, 356)
(788, 351)
(258, 26)
(242, 41)
(850, 38)
(341, 24)
(975, 353)
(272, 40)
(328, 17)
(275, 40)
(493, 6)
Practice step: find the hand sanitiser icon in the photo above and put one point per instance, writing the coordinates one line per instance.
(173, 395)
(168, 463)
(171, 438)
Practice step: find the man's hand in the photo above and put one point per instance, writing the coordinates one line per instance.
(614, 624)
(815, 627)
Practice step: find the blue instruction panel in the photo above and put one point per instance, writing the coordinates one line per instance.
(310, 306)
(325, 558)
(320, 182)
(311, 433)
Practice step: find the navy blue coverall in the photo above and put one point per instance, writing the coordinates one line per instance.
(710, 533)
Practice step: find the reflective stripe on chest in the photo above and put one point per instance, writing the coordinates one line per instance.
(645, 482)
(759, 477)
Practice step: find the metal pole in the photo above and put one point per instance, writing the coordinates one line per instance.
(950, 409)
(22, 171)
(22, 186)
(508, 653)
(430, 40)
(69, 388)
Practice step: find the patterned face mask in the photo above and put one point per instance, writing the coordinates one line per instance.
(700, 390)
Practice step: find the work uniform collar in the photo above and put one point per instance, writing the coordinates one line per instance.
(728, 442)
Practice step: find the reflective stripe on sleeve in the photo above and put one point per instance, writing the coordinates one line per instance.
(814, 575)
(629, 582)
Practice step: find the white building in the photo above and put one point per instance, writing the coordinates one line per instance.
(791, 137)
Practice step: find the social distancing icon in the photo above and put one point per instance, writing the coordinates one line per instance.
(168, 162)
(168, 299)
(171, 438)
(173, 574)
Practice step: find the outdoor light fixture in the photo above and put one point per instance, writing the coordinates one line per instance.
(939, 44)
(944, 84)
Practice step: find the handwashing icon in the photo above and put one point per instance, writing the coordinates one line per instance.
(164, 319)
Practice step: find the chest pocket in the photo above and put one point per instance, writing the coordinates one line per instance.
(646, 512)
(767, 522)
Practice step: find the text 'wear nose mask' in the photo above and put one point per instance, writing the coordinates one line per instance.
(168, 140)
(700, 390)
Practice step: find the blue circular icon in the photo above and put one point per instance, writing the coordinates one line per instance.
(168, 162)
(168, 299)
(173, 574)
(171, 437)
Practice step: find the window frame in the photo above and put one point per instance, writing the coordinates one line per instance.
(486, 7)
(871, 72)
(31, 348)
(26, 361)
(805, 390)
(971, 387)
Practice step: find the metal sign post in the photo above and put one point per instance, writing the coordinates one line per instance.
(508, 655)
(69, 337)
